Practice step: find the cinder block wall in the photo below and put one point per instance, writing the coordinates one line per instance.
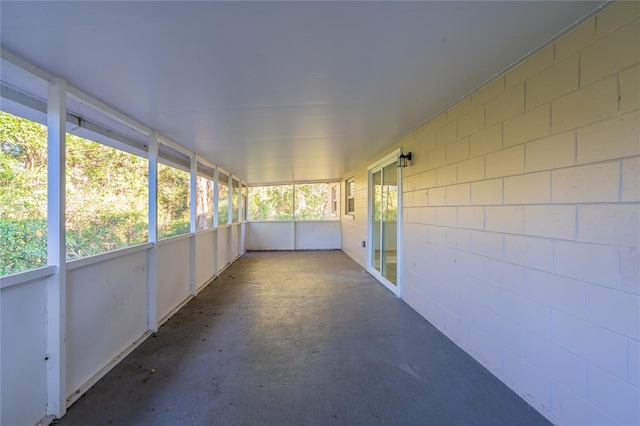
(521, 223)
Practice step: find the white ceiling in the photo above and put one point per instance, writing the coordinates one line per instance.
(281, 91)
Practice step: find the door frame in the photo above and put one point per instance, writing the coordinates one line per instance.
(379, 165)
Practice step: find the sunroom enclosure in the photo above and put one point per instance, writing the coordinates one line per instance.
(519, 233)
(65, 324)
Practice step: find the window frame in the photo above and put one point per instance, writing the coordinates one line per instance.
(350, 196)
(334, 200)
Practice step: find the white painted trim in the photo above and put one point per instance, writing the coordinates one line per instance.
(56, 310)
(26, 276)
(152, 228)
(205, 284)
(206, 163)
(230, 205)
(175, 238)
(193, 223)
(24, 65)
(108, 111)
(399, 220)
(193, 176)
(174, 310)
(216, 172)
(174, 145)
(46, 421)
(103, 257)
(379, 165)
(204, 231)
(271, 221)
(215, 253)
(74, 396)
(293, 212)
(386, 159)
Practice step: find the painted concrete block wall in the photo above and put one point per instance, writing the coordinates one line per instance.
(354, 227)
(521, 223)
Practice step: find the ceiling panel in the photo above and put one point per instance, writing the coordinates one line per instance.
(276, 91)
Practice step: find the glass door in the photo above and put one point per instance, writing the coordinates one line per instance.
(384, 223)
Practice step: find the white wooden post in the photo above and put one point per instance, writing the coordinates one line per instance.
(215, 222)
(215, 197)
(295, 223)
(56, 249)
(193, 225)
(230, 217)
(152, 274)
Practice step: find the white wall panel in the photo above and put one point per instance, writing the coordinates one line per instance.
(318, 235)
(204, 257)
(223, 247)
(106, 312)
(243, 238)
(23, 342)
(271, 236)
(235, 242)
(173, 274)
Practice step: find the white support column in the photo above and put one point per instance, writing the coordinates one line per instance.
(230, 195)
(152, 275)
(56, 249)
(215, 222)
(193, 225)
(230, 217)
(295, 223)
(215, 197)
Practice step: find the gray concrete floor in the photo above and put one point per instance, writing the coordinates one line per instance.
(298, 338)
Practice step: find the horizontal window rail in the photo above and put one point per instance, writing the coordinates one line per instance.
(103, 257)
(26, 276)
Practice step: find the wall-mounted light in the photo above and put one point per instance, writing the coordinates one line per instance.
(403, 159)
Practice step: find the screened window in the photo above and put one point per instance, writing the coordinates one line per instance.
(312, 201)
(107, 198)
(173, 201)
(204, 203)
(23, 194)
(334, 200)
(235, 200)
(290, 202)
(244, 203)
(223, 199)
(350, 189)
(271, 202)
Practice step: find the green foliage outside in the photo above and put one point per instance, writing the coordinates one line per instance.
(223, 202)
(173, 201)
(271, 202)
(106, 197)
(204, 203)
(312, 201)
(23, 194)
(276, 202)
(235, 201)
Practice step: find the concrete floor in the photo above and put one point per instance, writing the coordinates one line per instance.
(298, 338)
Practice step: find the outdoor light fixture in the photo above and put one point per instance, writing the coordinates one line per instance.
(403, 159)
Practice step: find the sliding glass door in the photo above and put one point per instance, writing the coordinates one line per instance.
(384, 222)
